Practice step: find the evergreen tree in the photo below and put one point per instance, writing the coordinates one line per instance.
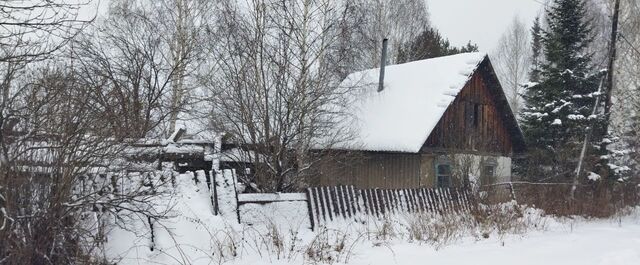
(430, 44)
(536, 49)
(469, 47)
(558, 109)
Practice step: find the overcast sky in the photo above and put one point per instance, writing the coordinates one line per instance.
(481, 21)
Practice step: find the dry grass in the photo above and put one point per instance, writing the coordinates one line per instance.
(272, 241)
(598, 200)
(331, 246)
(436, 229)
(507, 218)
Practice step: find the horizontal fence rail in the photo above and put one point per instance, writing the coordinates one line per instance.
(264, 198)
(343, 202)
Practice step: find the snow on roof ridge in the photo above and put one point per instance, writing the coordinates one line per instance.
(401, 117)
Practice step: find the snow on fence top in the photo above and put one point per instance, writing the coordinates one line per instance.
(270, 197)
(415, 96)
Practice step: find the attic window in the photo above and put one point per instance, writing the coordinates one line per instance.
(476, 115)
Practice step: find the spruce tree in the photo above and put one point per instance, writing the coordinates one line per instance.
(558, 108)
(536, 49)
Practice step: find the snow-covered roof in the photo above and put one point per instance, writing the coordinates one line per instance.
(416, 94)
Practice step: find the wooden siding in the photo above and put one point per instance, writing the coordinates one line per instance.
(457, 129)
(379, 170)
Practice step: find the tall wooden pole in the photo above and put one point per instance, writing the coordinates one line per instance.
(609, 82)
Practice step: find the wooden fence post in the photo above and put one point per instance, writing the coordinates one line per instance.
(310, 209)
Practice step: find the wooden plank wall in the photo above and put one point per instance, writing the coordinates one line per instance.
(388, 170)
(456, 129)
(328, 204)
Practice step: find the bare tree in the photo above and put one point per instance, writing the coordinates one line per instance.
(30, 31)
(398, 21)
(512, 61)
(142, 79)
(273, 91)
(625, 117)
(126, 66)
(55, 146)
(362, 24)
(53, 153)
(34, 29)
(599, 13)
(620, 139)
(186, 22)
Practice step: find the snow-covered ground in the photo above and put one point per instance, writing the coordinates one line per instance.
(600, 242)
(583, 243)
(193, 235)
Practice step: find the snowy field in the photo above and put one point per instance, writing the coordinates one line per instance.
(586, 243)
(195, 236)
(602, 242)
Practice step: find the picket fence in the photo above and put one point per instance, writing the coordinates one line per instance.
(343, 202)
(332, 203)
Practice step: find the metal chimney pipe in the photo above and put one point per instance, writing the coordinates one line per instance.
(383, 63)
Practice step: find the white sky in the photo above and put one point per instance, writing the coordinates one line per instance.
(481, 21)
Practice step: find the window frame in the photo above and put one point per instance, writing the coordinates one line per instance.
(444, 175)
(476, 115)
(486, 179)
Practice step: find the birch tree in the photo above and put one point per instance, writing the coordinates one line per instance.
(512, 62)
(140, 78)
(186, 22)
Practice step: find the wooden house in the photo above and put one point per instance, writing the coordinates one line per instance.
(436, 123)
